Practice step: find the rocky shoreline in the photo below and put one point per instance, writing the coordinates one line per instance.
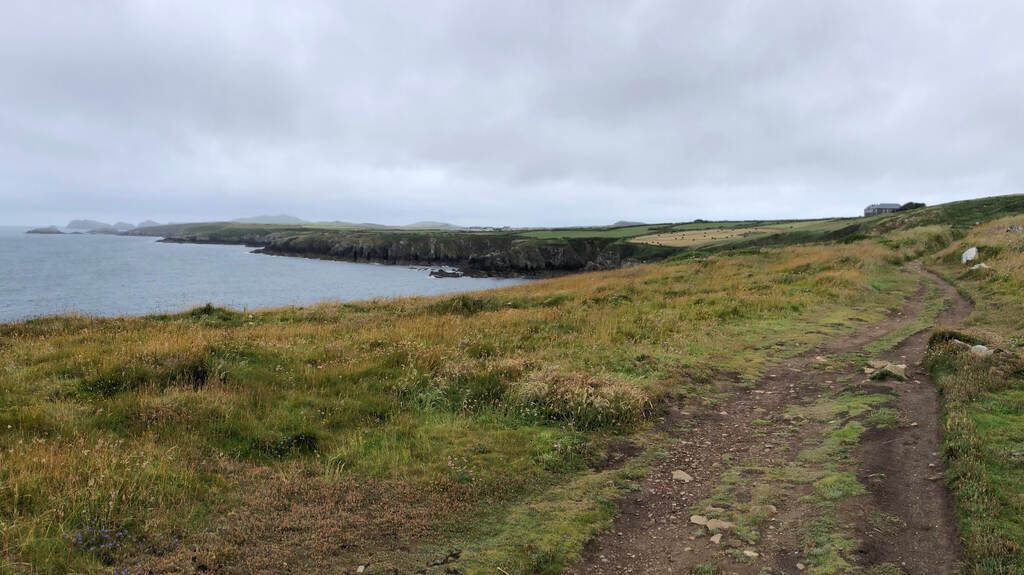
(472, 254)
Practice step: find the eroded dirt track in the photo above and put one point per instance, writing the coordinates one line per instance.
(815, 468)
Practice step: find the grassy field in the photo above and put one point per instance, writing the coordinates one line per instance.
(479, 429)
(484, 418)
(600, 232)
(723, 234)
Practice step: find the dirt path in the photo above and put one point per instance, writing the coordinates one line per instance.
(909, 460)
(813, 469)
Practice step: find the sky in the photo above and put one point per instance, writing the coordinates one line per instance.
(524, 113)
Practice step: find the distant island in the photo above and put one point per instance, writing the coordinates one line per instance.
(46, 230)
(97, 226)
(88, 225)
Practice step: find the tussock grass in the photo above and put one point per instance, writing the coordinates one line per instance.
(912, 243)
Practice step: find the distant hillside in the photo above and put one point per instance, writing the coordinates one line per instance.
(353, 225)
(433, 225)
(87, 225)
(958, 215)
(147, 224)
(623, 223)
(280, 219)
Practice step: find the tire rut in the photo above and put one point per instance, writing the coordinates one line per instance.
(653, 532)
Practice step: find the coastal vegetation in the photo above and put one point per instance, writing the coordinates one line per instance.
(983, 397)
(497, 431)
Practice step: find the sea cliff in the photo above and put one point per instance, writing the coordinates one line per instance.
(472, 253)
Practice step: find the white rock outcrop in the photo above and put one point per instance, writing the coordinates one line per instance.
(981, 351)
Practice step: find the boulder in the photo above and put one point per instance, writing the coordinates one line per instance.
(878, 363)
(716, 538)
(981, 351)
(680, 475)
(718, 525)
(961, 345)
(1015, 229)
(698, 520)
(969, 255)
(897, 369)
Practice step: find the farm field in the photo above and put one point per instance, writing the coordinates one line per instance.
(719, 234)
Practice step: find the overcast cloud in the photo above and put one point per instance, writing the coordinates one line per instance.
(510, 112)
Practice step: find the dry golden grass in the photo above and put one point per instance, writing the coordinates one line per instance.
(692, 238)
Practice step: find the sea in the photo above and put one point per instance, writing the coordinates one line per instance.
(105, 275)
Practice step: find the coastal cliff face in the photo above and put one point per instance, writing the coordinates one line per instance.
(471, 252)
(488, 253)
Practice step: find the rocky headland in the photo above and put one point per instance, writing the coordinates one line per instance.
(477, 253)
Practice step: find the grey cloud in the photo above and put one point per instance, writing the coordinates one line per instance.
(524, 113)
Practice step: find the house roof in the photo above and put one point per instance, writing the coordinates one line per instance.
(885, 206)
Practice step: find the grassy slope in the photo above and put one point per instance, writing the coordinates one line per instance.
(495, 407)
(984, 399)
(218, 433)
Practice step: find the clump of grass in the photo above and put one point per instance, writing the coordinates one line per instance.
(826, 545)
(885, 373)
(190, 368)
(704, 569)
(838, 485)
(836, 445)
(847, 403)
(589, 402)
(944, 335)
(884, 418)
(912, 243)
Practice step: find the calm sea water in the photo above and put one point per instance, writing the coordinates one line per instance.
(114, 275)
